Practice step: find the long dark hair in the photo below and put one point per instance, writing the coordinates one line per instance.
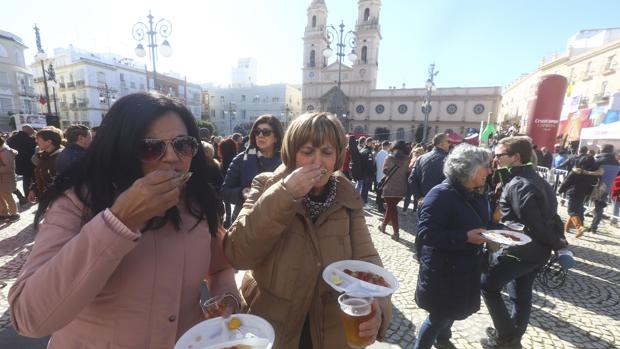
(113, 163)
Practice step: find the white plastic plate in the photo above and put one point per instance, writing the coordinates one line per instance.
(255, 332)
(498, 236)
(356, 286)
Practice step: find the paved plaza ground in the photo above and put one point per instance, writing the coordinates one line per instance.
(584, 313)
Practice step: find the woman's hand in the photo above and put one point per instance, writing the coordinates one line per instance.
(371, 327)
(474, 236)
(300, 181)
(148, 197)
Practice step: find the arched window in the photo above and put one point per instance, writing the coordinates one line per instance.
(365, 54)
(366, 14)
(313, 21)
(400, 134)
(312, 60)
(3, 52)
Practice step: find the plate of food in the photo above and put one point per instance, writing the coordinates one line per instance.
(237, 331)
(507, 237)
(360, 277)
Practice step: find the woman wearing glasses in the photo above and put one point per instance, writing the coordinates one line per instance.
(263, 155)
(125, 239)
(295, 222)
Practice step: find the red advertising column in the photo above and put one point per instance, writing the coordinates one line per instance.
(544, 108)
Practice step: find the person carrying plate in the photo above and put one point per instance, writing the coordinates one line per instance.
(527, 199)
(126, 236)
(451, 219)
(295, 222)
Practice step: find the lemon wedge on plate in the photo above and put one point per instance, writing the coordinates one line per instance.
(335, 279)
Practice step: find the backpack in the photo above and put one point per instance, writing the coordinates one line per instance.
(599, 191)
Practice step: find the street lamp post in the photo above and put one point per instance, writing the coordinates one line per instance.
(140, 30)
(106, 94)
(284, 115)
(231, 115)
(427, 102)
(51, 77)
(342, 40)
(42, 56)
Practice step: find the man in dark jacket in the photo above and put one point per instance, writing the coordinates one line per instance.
(569, 163)
(606, 167)
(527, 199)
(78, 140)
(428, 170)
(368, 169)
(25, 144)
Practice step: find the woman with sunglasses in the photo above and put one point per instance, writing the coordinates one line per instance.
(126, 238)
(263, 155)
(295, 222)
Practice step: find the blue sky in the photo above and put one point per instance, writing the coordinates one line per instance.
(472, 42)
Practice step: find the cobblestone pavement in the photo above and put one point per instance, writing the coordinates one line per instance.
(584, 313)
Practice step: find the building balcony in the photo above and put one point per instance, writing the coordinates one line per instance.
(73, 106)
(607, 71)
(64, 106)
(62, 85)
(586, 76)
(71, 84)
(26, 91)
(79, 83)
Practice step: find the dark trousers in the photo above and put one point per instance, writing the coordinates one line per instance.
(434, 328)
(518, 277)
(380, 200)
(26, 180)
(228, 219)
(363, 186)
(599, 207)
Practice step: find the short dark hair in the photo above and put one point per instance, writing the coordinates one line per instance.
(385, 143)
(399, 145)
(607, 148)
(275, 125)
(74, 131)
(521, 145)
(51, 133)
(583, 149)
(439, 138)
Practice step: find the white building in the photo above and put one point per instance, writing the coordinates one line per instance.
(244, 74)
(88, 83)
(231, 107)
(590, 63)
(384, 113)
(17, 95)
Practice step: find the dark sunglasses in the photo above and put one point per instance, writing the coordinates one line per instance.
(265, 131)
(152, 149)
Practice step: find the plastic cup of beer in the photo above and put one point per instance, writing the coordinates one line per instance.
(223, 305)
(355, 310)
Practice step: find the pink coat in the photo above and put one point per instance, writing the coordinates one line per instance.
(100, 285)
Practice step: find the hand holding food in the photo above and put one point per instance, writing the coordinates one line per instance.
(148, 197)
(474, 236)
(301, 181)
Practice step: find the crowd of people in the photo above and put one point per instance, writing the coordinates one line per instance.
(134, 217)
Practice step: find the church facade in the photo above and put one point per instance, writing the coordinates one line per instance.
(350, 91)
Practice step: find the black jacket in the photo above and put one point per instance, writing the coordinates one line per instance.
(369, 168)
(25, 145)
(450, 267)
(428, 172)
(68, 156)
(578, 186)
(355, 164)
(530, 200)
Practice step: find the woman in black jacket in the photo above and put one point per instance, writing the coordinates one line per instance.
(578, 186)
(448, 244)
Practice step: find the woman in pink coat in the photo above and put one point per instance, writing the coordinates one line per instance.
(126, 237)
